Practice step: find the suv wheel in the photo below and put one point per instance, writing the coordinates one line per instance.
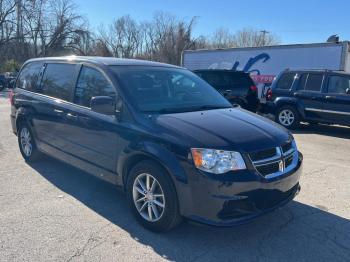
(27, 143)
(152, 197)
(288, 117)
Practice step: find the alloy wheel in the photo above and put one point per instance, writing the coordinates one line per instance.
(148, 197)
(26, 142)
(286, 117)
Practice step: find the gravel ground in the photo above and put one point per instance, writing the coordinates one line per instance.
(54, 212)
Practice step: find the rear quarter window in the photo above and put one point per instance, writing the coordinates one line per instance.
(58, 80)
(30, 76)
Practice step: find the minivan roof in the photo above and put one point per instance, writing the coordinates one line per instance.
(103, 60)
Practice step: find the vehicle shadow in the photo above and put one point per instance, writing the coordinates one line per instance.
(326, 130)
(294, 233)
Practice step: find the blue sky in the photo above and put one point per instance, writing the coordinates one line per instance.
(293, 21)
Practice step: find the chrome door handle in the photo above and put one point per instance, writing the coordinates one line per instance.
(58, 111)
(69, 115)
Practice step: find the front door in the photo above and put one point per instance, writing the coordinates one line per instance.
(337, 105)
(93, 136)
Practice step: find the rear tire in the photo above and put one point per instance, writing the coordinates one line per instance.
(152, 197)
(27, 144)
(288, 117)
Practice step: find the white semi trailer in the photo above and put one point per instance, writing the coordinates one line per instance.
(264, 63)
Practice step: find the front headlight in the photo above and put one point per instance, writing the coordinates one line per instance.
(217, 161)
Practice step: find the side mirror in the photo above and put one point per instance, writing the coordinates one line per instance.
(348, 91)
(103, 104)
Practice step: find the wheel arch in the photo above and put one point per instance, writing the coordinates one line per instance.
(289, 101)
(22, 115)
(154, 152)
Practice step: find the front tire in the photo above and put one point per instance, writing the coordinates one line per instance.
(27, 143)
(152, 197)
(288, 117)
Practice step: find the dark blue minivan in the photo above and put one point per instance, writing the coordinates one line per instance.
(169, 139)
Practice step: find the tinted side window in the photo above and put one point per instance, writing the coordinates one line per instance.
(302, 81)
(285, 82)
(236, 80)
(92, 83)
(212, 78)
(58, 80)
(338, 84)
(29, 79)
(314, 82)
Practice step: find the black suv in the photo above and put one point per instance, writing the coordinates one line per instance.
(236, 86)
(314, 96)
(170, 140)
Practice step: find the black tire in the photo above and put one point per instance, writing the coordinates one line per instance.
(33, 154)
(169, 216)
(294, 117)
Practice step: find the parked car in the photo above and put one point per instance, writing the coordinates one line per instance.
(3, 82)
(170, 140)
(7, 79)
(236, 86)
(315, 96)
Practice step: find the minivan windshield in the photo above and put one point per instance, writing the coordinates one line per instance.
(167, 90)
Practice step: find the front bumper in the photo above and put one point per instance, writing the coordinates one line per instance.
(236, 198)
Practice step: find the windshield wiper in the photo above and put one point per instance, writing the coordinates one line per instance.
(209, 107)
(186, 109)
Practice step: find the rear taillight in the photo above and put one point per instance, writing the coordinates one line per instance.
(11, 96)
(254, 88)
(269, 94)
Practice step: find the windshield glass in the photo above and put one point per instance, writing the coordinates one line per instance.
(167, 90)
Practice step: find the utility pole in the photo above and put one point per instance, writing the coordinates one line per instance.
(264, 33)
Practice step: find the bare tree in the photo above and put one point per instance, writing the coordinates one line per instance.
(32, 28)
(223, 38)
(247, 37)
(122, 37)
(7, 21)
(61, 27)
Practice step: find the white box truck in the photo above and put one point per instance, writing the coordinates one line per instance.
(264, 63)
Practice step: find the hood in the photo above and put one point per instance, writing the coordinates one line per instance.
(228, 129)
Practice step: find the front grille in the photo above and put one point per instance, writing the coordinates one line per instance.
(273, 162)
(264, 154)
(268, 168)
(288, 161)
(287, 147)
